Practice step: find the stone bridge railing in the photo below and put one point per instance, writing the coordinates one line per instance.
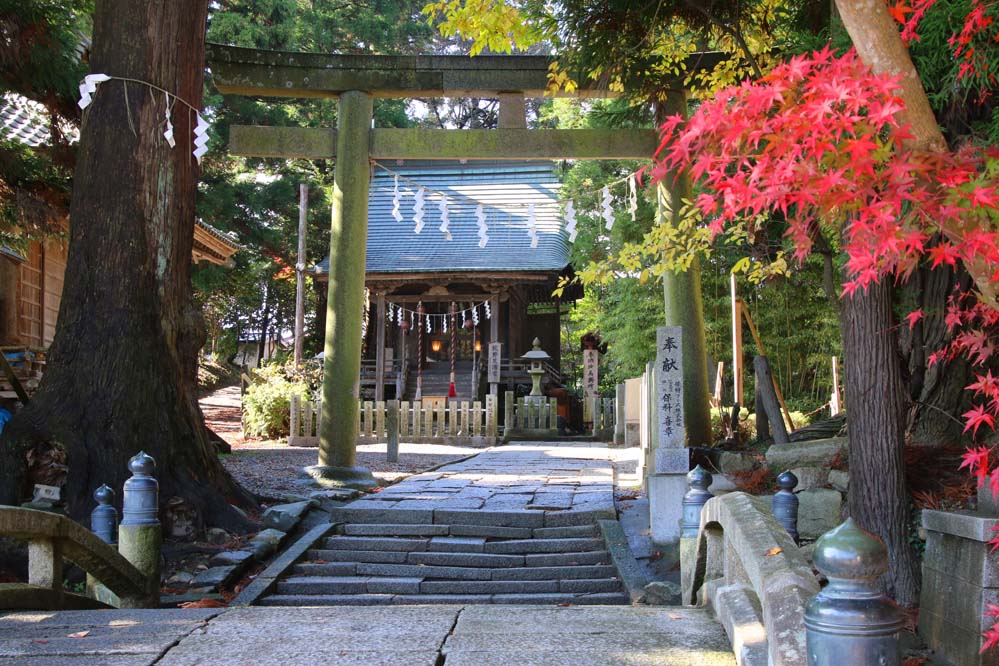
(745, 566)
(53, 538)
(126, 576)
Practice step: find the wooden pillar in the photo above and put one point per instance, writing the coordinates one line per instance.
(345, 301)
(494, 308)
(303, 209)
(380, 347)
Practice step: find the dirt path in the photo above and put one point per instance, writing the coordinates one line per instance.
(223, 413)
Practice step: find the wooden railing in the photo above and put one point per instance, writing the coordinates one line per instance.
(51, 539)
(423, 421)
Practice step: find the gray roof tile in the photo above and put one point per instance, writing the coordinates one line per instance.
(504, 188)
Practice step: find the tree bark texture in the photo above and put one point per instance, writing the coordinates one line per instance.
(878, 498)
(122, 369)
(936, 392)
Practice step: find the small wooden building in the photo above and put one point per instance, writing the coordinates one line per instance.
(31, 283)
(406, 270)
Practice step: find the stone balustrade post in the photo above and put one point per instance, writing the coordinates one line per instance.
(140, 535)
(850, 621)
(104, 518)
(698, 480)
(785, 503)
(103, 523)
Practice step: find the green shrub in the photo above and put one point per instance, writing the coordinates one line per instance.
(267, 402)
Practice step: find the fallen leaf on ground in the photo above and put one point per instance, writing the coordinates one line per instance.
(565, 604)
(657, 555)
(674, 616)
(78, 634)
(776, 550)
(202, 603)
(41, 641)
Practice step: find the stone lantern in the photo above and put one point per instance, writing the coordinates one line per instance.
(535, 357)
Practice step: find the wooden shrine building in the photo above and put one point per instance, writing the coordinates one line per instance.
(503, 289)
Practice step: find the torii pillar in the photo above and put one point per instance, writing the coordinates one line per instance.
(344, 302)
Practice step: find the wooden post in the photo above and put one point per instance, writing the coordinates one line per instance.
(392, 432)
(759, 347)
(508, 411)
(765, 383)
(719, 377)
(762, 420)
(736, 345)
(834, 399)
(494, 311)
(379, 420)
(380, 347)
(345, 298)
(295, 416)
(303, 210)
(491, 415)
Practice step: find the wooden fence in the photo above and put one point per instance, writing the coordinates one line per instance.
(427, 421)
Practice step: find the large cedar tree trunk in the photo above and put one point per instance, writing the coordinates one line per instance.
(936, 392)
(878, 499)
(122, 367)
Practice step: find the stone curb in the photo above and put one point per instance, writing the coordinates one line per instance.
(624, 561)
(262, 583)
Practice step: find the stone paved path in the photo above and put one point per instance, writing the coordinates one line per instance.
(529, 477)
(367, 636)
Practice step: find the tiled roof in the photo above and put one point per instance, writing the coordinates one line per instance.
(504, 189)
(23, 120)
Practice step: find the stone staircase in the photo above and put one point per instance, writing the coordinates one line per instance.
(437, 381)
(483, 559)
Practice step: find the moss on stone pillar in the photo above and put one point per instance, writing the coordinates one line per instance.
(345, 297)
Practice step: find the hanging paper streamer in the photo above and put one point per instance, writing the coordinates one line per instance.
(396, 213)
(608, 212)
(89, 87)
(489, 314)
(480, 218)
(475, 315)
(570, 221)
(168, 134)
(444, 326)
(200, 138)
(463, 318)
(532, 226)
(445, 218)
(418, 209)
(632, 196)
(428, 324)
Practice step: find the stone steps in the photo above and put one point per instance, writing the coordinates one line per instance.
(483, 559)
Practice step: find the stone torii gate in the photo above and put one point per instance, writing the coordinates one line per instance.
(356, 80)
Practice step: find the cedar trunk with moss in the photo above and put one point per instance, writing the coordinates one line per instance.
(122, 369)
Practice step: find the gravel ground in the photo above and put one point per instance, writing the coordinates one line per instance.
(272, 468)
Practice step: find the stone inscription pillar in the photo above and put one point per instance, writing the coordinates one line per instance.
(345, 298)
